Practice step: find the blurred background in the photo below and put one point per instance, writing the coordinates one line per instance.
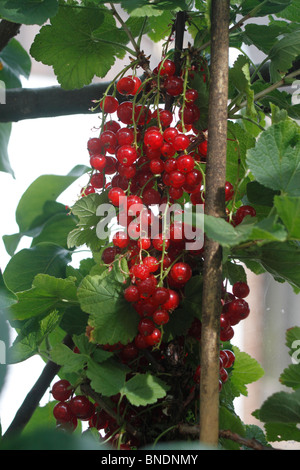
(55, 146)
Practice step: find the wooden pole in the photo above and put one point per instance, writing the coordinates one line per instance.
(215, 206)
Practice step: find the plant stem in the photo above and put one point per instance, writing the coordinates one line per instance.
(33, 398)
(214, 205)
(126, 29)
(270, 88)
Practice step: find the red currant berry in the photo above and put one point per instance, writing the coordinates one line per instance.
(98, 162)
(229, 191)
(131, 294)
(166, 67)
(176, 179)
(185, 163)
(173, 85)
(153, 139)
(109, 254)
(125, 86)
(230, 358)
(146, 326)
(173, 301)
(97, 180)
(153, 338)
(62, 412)
(227, 335)
(243, 212)
(124, 112)
(152, 263)
(181, 142)
(115, 194)
(240, 289)
(81, 407)
(181, 273)
(62, 390)
(160, 317)
(121, 239)
(109, 104)
(191, 95)
(94, 146)
(202, 148)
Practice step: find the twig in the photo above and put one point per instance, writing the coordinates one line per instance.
(33, 398)
(189, 430)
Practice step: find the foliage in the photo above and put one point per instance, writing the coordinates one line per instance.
(44, 297)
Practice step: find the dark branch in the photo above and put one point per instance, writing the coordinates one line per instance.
(35, 395)
(8, 30)
(32, 103)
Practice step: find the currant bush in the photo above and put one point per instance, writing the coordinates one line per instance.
(146, 156)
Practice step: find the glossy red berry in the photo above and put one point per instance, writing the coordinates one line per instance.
(243, 212)
(62, 390)
(160, 317)
(166, 67)
(240, 289)
(181, 273)
(62, 412)
(125, 86)
(81, 407)
(173, 85)
(109, 104)
(132, 294)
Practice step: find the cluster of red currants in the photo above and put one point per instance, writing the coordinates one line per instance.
(70, 408)
(226, 361)
(234, 309)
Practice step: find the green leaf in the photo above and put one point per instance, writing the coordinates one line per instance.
(71, 362)
(245, 371)
(90, 211)
(230, 421)
(283, 54)
(32, 334)
(5, 131)
(47, 294)
(291, 376)
(239, 77)
(45, 188)
(45, 258)
(140, 8)
(260, 195)
(288, 209)
(15, 62)
(292, 12)
(234, 272)
(281, 259)
(28, 11)
(56, 230)
(107, 378)
(281, 407)
(144, 389)
(74, 320)
(267, 8)
(192, 300)
(275, 160)
(239, 141)
(282, 432)
(91, 43)
(113, 319)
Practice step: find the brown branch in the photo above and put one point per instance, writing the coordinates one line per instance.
(8, 30)
(188, 430)
(33, 398)
(214, 205)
